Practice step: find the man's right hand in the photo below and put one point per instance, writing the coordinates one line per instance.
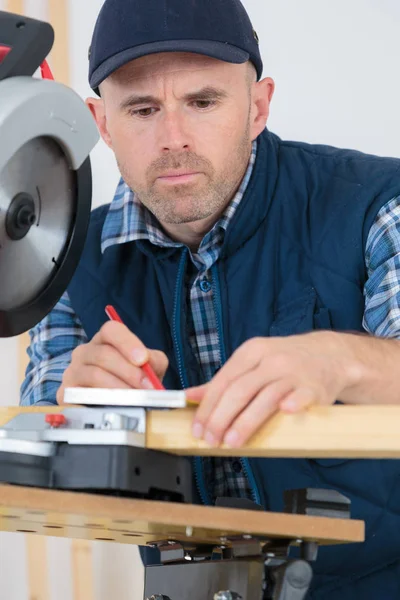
(112, 359)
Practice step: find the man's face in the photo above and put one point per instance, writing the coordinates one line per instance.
(181, 128)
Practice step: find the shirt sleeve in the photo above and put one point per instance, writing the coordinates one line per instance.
(51, 346)
(382, 289)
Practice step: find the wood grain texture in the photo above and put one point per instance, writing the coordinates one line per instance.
(38, 582)
(321, 432)
(87, 516)
(82, 570)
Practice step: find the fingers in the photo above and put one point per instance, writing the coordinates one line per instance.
(196, 394)
(131, 347)
(93, 376)
(216, 413)
(159, 362)
(122, 339)
(244, 360)
(90, 376)
(112, 359)
(300, 399)
(228, 422)
(263, 406)
(109, 360)
(226, 379)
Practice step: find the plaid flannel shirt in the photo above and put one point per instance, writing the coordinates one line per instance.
(54, 338)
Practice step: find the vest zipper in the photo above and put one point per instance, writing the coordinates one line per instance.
(177, 318)
(177, 339)
(218, 312)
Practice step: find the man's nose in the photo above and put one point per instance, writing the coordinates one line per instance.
(174, 135)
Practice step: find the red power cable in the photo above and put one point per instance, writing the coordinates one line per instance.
(44, 67)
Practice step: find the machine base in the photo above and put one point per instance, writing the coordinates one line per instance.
(117, 470)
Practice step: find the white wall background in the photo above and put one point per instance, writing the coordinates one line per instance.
(335, 65)
(337, 77)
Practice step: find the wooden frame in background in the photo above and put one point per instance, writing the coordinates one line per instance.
(36, 546)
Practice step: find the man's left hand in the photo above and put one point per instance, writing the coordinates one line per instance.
(266, 375)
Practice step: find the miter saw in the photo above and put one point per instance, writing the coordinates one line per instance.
(46, 135)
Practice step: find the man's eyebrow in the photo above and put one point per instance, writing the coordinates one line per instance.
(206, 93)
(135, 100)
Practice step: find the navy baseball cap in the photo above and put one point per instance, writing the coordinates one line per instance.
(128, 29)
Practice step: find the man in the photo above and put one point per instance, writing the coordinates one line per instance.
(261, 274)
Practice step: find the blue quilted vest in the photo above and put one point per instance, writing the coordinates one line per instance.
(292, 261)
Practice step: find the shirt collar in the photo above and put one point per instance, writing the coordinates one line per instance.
(128, 220)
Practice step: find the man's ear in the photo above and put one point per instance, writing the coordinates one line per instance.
(261, 101)
(97, 108)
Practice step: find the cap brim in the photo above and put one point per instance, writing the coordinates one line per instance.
(217, 50)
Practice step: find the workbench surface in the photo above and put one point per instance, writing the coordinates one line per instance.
(125, 520)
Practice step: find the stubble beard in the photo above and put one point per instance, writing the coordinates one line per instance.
(189, 202)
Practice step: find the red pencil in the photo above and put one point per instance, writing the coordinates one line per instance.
(114, 316)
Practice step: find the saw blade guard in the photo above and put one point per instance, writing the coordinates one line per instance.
(46, 135)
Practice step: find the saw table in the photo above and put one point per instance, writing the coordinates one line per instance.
(235, 551)
(188, 536)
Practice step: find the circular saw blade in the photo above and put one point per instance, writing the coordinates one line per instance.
(35, 270)
(40, 170)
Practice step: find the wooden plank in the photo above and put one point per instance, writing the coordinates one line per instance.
(321, 432)
(87, 516)
(82, 570)
(341, 431)
(59, 56)
(38, 582)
